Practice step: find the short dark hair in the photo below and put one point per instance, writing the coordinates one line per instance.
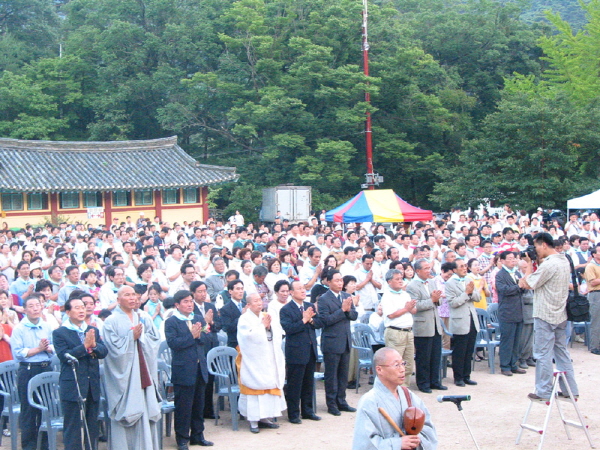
(312, 250)
(544, 238)
(42, 284)
(180, 295)
(281, 283)
(331, 273)
(507, 230)
(450, 265)
(69, 269)
(505, 254)
(31, 297)
(195, 285)
(232, 272)
(233, 283)
(185, 267)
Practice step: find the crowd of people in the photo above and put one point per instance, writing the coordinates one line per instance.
(111, 294)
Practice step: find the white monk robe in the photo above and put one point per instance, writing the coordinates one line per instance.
(134, 412)
(373, 432)
(262, 372)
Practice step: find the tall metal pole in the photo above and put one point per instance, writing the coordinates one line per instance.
(370, 176)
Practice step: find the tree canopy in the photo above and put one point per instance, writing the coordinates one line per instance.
(276, 88)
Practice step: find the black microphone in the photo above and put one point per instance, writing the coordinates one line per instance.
(71, 358)
(453, 398)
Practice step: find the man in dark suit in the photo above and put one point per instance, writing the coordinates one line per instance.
(231, 312)
(298, 320)
(83, 342)
(186, 335)
(336, 311)
(208, 311)
(510, 314)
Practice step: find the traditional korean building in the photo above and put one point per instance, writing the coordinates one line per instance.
(95, 182)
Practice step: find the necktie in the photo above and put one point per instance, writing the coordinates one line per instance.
(189, 324)
(339, 297)
(301, 309)
(240, 306)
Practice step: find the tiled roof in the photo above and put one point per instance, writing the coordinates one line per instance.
(48, 166)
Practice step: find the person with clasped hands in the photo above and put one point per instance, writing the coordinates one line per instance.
(336, 311)
(464, 324)
(32, 347)
(550, 284)
(76, 339)
(371, 430)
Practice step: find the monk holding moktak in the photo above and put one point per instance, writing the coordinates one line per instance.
(373, 430)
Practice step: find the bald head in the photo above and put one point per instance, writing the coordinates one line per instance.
(255, 303)
(382, 355)
(122, 291)
(253, 298)
(126, 298)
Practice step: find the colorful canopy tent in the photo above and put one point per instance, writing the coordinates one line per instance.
(377, 206)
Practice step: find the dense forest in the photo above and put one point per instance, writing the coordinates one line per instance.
(471, 99)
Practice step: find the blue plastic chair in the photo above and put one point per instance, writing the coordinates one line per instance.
(221, 364)
(492, 310)
(164, 353)
(167, 406)
(485, 340)
(222, 337)
(55, 363)
(42, 393)
(445, 354)
(362, 336)
(12, 404)
(579, 328)
(103, 416)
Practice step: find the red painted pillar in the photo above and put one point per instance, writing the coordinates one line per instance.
(53, 205)
(158, 204)
(204, 202)
(107, 200)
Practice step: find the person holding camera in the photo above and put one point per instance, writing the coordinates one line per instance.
(550, 283)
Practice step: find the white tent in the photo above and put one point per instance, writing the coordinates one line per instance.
(590, 201)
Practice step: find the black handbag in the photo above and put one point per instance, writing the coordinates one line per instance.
(578, 306)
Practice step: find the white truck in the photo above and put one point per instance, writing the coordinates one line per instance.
(289, 202)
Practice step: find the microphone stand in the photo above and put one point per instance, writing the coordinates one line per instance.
(458, 403)
(81, 402)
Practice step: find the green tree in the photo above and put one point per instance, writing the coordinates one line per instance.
(26, 112)
(29, 29)
(533, 151)
(573, 57)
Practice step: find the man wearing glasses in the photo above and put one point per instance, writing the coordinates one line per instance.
(371, 430)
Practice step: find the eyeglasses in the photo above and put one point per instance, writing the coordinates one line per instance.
(395, 366)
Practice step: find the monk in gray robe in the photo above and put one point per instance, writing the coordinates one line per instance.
(131, 375)
(372, 431)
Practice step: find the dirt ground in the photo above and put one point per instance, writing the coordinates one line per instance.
(497, 408)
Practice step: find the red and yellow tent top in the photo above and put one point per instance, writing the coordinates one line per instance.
(381, 205)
